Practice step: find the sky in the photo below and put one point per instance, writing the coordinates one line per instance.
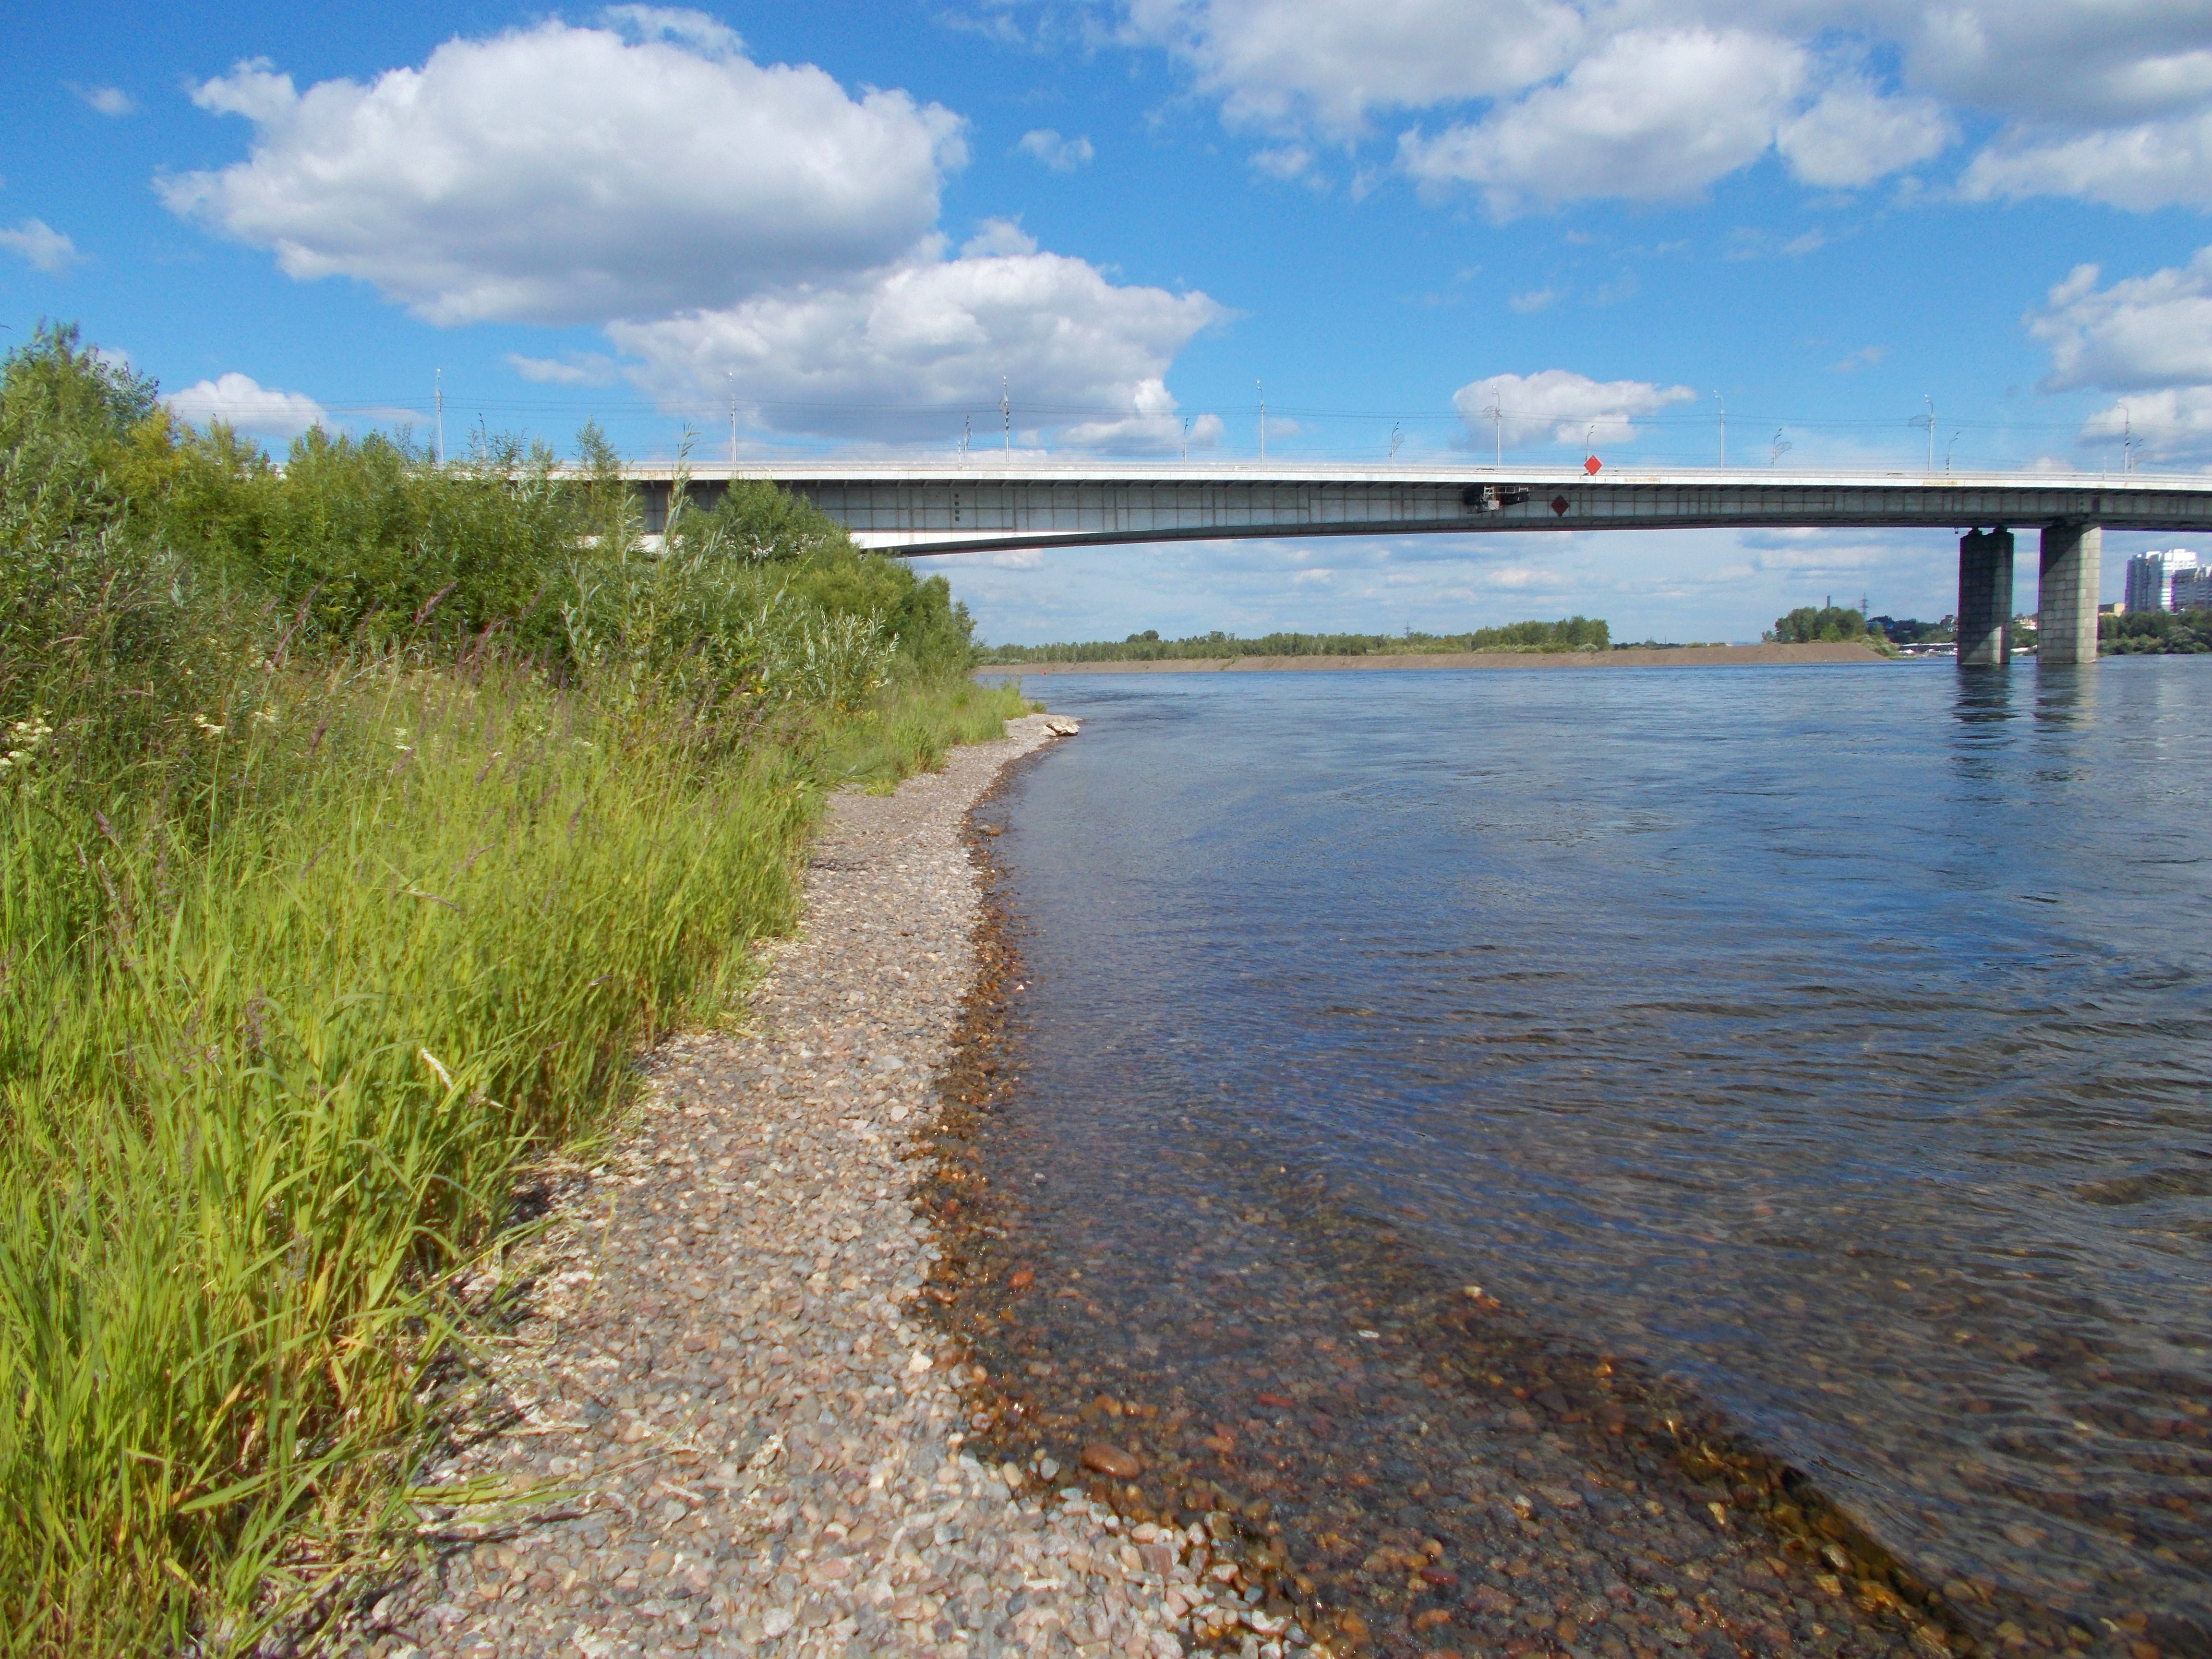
(1867, 230)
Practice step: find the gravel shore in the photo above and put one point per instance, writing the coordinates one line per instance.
(758, 1439)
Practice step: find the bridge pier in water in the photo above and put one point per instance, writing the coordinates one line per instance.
(1985, 623)
(2066, 620)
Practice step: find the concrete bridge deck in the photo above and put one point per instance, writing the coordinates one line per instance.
(986, 503)
(946, 507)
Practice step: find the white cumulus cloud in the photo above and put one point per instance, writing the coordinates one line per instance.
(1154, 425)
(2153, 164)
(2141, 333)
(2070, 62)
(1651, 116)
(2173, 425)
(1557, 406)
(715, 217)
(998, 236)
(898, 355)
(112, 101)
(1276, 62)
(561, 174)
(1061, 155)
(2147, 337)
(238, 400)
(38, 242)
(1856, 134)
(2103, 99)
(588, 369)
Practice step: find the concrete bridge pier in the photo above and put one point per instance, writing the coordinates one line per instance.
(1984, 624)
(2066, 619)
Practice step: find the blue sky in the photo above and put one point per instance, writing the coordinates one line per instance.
(1394, 214)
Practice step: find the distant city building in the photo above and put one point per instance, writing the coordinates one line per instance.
(2193, 589)
(2151, 578)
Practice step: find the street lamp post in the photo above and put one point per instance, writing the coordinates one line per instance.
(1928, 421)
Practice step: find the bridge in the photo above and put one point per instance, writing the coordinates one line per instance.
(985, 504)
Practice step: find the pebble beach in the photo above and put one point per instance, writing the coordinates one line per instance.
(734, 1430)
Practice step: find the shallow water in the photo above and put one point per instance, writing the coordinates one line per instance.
(1835, 1040)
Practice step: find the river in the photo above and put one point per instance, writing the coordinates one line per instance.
(1834, 1042)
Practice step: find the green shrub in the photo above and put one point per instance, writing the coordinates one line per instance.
(2155, 632)
(360, 819)
(1819, 624)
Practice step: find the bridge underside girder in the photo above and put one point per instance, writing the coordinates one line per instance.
(920, 508)
(957, 514)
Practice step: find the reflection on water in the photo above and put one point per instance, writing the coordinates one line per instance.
(1984, 696)
(2067, 696)
(1834, 1039)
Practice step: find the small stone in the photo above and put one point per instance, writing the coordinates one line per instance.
(1110, 1460)
(777, 1621)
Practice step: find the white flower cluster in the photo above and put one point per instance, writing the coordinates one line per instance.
(24, 737)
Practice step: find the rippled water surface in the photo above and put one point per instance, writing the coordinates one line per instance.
(1835, 1040)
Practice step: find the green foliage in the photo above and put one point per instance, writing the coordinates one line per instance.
(359, 819)
(70, 426)
(1910, 630)
(1819, 624)
(1569, 634)
(2155, 632)
(912, 735)
(753, 520)
(264, 1064)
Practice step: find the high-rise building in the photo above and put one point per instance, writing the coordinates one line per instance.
(2151, 577)
(2193, 589)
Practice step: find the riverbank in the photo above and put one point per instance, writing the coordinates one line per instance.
(719, 1419)
(1692, 656)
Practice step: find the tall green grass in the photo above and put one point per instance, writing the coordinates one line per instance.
(913, 730)
(318, 925)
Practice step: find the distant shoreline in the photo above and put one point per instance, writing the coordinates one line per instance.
(1695, 656)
